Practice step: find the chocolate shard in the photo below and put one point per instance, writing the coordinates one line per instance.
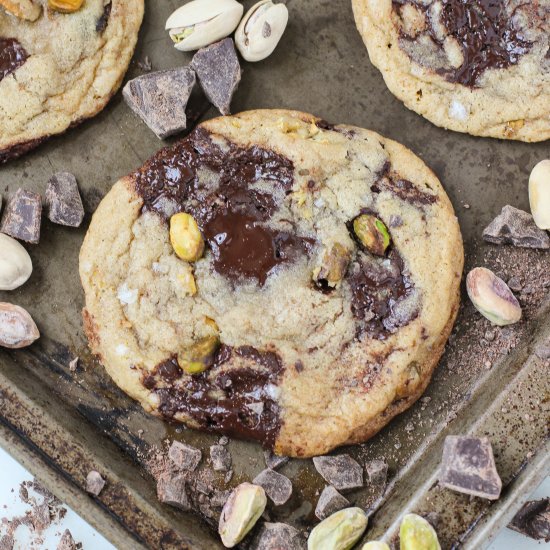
(22, 216)
(184, 457)
(329, 502)
(172, 490)
(514, 226)
(468, 466)
(277, 486)
(94, 483)
(221, 458)
(66, 542)
(341, 471)
(273, 461)
(533, 520)
(217, 67)
(160, 99)
(377, 472)
(277, 536)
(63, 200)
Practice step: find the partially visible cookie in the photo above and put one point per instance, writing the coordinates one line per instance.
(61, 68)
(475, 66)
(312, 337)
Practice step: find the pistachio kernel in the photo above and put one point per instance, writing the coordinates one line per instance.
(200, 356)
(372, 234)
(186, 237)
(375, 545)
(416, 533)
(339, 531)
(65, 6)
(334, 264)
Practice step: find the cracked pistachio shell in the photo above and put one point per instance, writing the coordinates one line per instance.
(539, 194)
(375, 545)
(240, 513)
(492, 297)
(340, 531)
(261, 29)
(202, 22)
(416, 533)
(15, 263)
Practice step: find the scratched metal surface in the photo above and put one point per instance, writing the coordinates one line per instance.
(70, 423)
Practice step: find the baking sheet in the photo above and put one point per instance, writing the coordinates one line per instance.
(73, 422)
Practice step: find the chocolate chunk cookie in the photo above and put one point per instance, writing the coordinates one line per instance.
(475, 66)
(61, 68)
(315, 338)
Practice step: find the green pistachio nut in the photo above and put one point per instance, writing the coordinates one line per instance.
(375, 545)
(340, 531)
(200, 356)
(177, 37)
(417, 534)
(372, 234)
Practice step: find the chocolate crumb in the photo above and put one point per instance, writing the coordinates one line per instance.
(221, 458)
(145, 64)
(73, 364)
(94, 483)
(329, 502)
(184, 456)
(67, 542)
(273, 461)
(377, 471)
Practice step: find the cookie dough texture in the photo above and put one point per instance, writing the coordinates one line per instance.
(412, 47)
(76, 62)
(337, 384)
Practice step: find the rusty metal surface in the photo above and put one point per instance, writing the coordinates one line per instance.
(73, 422)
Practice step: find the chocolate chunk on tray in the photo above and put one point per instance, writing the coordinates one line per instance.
(172, 489)
(217, 67)
(63, 200)
(329, 502)
(341, 471)
(514, 226)
(94, 483)
(160, 99)
(184, 456)
(22, 216)
(277, 536)
(273, 461)
(533, 520)
(276, 486)
(221, 458)
(66, 542)
(468, 466)
(377, 472)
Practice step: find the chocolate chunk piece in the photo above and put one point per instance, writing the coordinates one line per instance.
(12, 56)
(514, 226)
(468, 466)
(22, 216)
(221, 458)
(94, 483)
(184, 456)
(217, 67)
(341, 471)
(160, 99)
(273, 461)
(329, 502)
(172, 489)
(63, 200)
(66, 542)
(377, 471)
(533, 520)
(277, 536)
(277, 486)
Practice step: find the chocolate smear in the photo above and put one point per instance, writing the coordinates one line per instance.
(276, 486)
(219, 73)
(22, 216)
(468, 466)
(63, 200)
(514, 226)
(533, 520)
(160, 99)
(12, 56)
(341, 471)
(329, 502)
(183, 456)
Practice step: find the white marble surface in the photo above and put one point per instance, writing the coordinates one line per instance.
(12, 474)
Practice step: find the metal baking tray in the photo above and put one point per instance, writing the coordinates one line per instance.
(62, 424)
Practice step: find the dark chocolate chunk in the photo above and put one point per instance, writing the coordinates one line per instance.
(160, 99)
(172, 489)
(63, 200)
(22, 216)
(377, 471)
(217, 67)
(533, 520)
(468, 466)
(12, 56)
(277, 536)
(102, 22)
(514, 226)
(185, 457)
(341, 471)
(273, 461)
(94, 483)
(221, 458)
(329, 502)
(66, 542)
(276, 486)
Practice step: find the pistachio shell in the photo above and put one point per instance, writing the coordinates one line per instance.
(339, 531)
(539, 194)
(261, 29)
(203, 22)
(15, 263)
(416, 533)
(375, 545)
